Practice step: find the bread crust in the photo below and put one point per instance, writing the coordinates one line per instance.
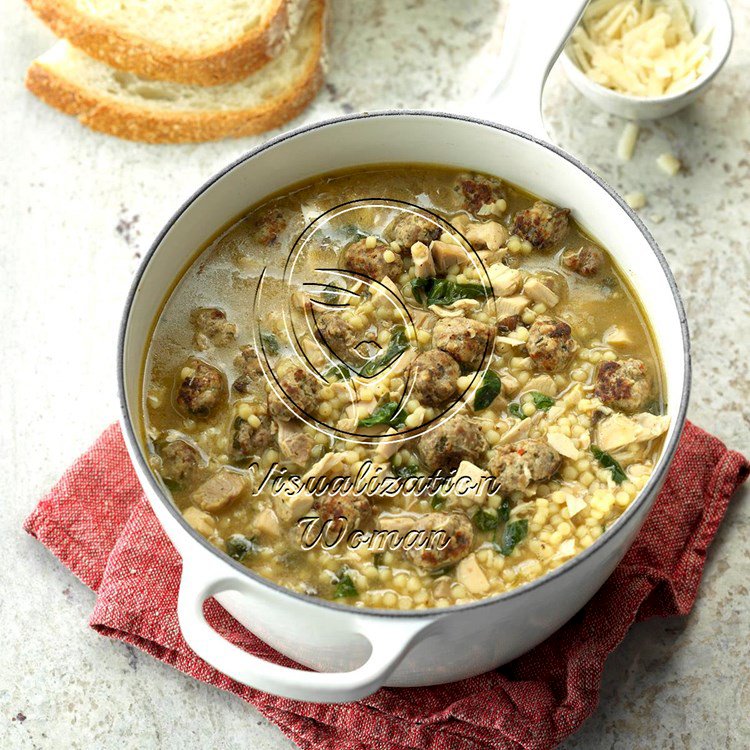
(107, 114)
(119, 49)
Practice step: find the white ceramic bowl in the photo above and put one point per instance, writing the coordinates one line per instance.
(715, 13)
(358, 650)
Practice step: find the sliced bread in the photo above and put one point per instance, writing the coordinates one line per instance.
(204, 42)
(139, 109)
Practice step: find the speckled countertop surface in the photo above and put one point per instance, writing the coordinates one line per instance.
(78, 209)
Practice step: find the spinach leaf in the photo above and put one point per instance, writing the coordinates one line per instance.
(411, 470)
(609, 463)
(396, 345)
(342, 372)
(345, 588)
(485, 520)
(437, 291)
(270, 342)
(513, 534)
(515, 410)
(239, 546)
(172, 485)
(419, 289)
(383, 414)
(542, 402)
(488, 391)
(504, 512)
(438, 501)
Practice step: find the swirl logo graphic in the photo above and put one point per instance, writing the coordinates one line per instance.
(358, 312)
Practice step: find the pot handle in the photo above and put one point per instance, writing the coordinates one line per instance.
(535, 33)
(390, 640)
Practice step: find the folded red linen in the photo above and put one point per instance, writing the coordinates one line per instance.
(97, 521)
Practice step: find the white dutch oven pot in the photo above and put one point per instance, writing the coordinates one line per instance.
(356, 651)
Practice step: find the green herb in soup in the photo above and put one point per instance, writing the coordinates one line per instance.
(474, 402)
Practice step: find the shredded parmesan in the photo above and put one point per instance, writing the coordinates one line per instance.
(628, 139)
(669, 164)
(635, 200)
(641, 47)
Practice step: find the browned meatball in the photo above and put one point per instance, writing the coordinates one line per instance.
(251, 373)
(519, 464)
(508, 324)
(585, 261)
(435, 375)
(269, 226)
(248, 441)
(478, 191)
(542, 225)
(442, 539)
(203, 391)
(301, 389)
(344, 511)
(457, 439)
(336, 333)
(369, 261)
(466, 340)
(180, 461)
(212, 327)
(550, 344)
(623, 384)
(410, 228)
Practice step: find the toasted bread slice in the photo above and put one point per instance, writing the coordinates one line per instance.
(205, 42)
(139, 109)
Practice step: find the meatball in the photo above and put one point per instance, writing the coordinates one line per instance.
(623, 384)
(371, 262)
(435, 375)
(443, 539)
(202, 391)
(180, 461)
(477, 192)
(251, 373)
(585, 261)
(542, 225)
(343, 511)
(269, 226)
(336, 333)
(457, 439)
(550, 344)
(519, 464)
(508, 324)
(248, 441)
(212, 327)
(410, 228)
(300, 387)
(466, 340)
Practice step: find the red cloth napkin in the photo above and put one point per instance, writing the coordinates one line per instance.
(98, 522)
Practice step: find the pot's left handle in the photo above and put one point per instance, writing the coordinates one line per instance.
(390, 640)
(535, 33)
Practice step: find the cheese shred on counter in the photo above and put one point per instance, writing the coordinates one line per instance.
(640, 47)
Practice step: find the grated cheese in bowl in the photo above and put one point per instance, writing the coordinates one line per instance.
(644, 48)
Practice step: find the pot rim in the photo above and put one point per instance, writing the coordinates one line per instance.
(617, 528)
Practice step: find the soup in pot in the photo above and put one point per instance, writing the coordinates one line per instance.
(403, 387)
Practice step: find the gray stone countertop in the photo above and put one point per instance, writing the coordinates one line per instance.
(79, 209)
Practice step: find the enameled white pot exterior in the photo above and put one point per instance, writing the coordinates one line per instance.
(417, 648)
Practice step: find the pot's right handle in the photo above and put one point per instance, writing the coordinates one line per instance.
(390, 638)
(535, 33)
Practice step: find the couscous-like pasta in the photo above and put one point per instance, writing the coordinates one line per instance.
(452, 329)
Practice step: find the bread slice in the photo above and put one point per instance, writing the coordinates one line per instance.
(140, 109)
(204, 42)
